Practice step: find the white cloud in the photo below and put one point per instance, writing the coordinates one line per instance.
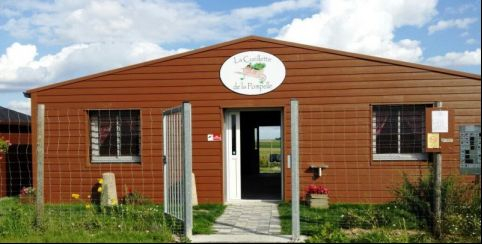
(22, 106)
(97, 21)
(156, 21)
(269, 11)
(363, 26)
(21, 68)
(461, 9)
(471, 41)
(453, 59)
(99, 35)
(452, 23)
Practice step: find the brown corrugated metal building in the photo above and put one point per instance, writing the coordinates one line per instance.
(346, 102)
(16, 163)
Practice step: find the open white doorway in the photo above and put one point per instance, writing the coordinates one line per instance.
(253, 155)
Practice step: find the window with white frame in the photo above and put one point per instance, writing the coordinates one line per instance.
(398, 132)
(114, 136)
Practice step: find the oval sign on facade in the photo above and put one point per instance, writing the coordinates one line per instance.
(252, 73)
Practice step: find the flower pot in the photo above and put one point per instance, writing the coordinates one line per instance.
(27, 199)
(318, 201)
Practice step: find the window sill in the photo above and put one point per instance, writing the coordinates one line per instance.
(116, 160)
(400, 157)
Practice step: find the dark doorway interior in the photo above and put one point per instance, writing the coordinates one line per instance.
(19, 168)
(256, 183)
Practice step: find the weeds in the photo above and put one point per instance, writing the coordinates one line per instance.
(460, 205)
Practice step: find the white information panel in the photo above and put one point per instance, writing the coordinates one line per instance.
(440, 121)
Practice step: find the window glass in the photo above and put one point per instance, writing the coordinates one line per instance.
(399, 129)
(130, 133)
(115, 135)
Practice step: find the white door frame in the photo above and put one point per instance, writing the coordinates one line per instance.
(232, 155)
(227, 145)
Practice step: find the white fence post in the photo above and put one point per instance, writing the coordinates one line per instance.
(187, 152)
(295, 180)
(39, 206)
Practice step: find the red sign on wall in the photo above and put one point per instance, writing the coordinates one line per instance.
(214, 137)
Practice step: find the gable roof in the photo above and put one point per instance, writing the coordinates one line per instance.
(8, 116)
(264, 39)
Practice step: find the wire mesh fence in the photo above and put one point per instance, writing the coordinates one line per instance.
(370, 163)
(374, 158)
(177, 167)
(95, 187)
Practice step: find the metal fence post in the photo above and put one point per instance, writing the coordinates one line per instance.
(438, 190)
(295, 181)
(187, 151)
(39, 207)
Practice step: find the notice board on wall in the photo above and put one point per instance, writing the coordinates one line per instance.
(439, 125)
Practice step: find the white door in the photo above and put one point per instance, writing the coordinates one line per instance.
(233, 156)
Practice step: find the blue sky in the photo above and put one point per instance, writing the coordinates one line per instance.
(43, 42)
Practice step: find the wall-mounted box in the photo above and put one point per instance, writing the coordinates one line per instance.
(470, 149)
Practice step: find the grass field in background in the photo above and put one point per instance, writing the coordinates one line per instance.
(266, 143)
(267, 147)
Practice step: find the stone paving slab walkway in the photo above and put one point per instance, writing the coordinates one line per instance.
(251, 238)
(255, 217)
(247, 221)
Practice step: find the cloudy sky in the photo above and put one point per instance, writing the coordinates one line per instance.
(42, 42)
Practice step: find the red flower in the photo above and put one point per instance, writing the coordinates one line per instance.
(314, 189)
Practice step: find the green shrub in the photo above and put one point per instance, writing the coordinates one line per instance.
(4, 145)
(460, 204)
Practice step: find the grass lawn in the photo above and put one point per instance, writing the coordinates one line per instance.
(355, 223)
(204, 217)
(76, 223)
(362, 223)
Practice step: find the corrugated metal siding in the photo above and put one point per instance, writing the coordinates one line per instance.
(334, 92)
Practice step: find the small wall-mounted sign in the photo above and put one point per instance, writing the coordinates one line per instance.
(439, 125)
(252, 73)
(433, 141)
(447, 140)
(440, 121)
(214, 137)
